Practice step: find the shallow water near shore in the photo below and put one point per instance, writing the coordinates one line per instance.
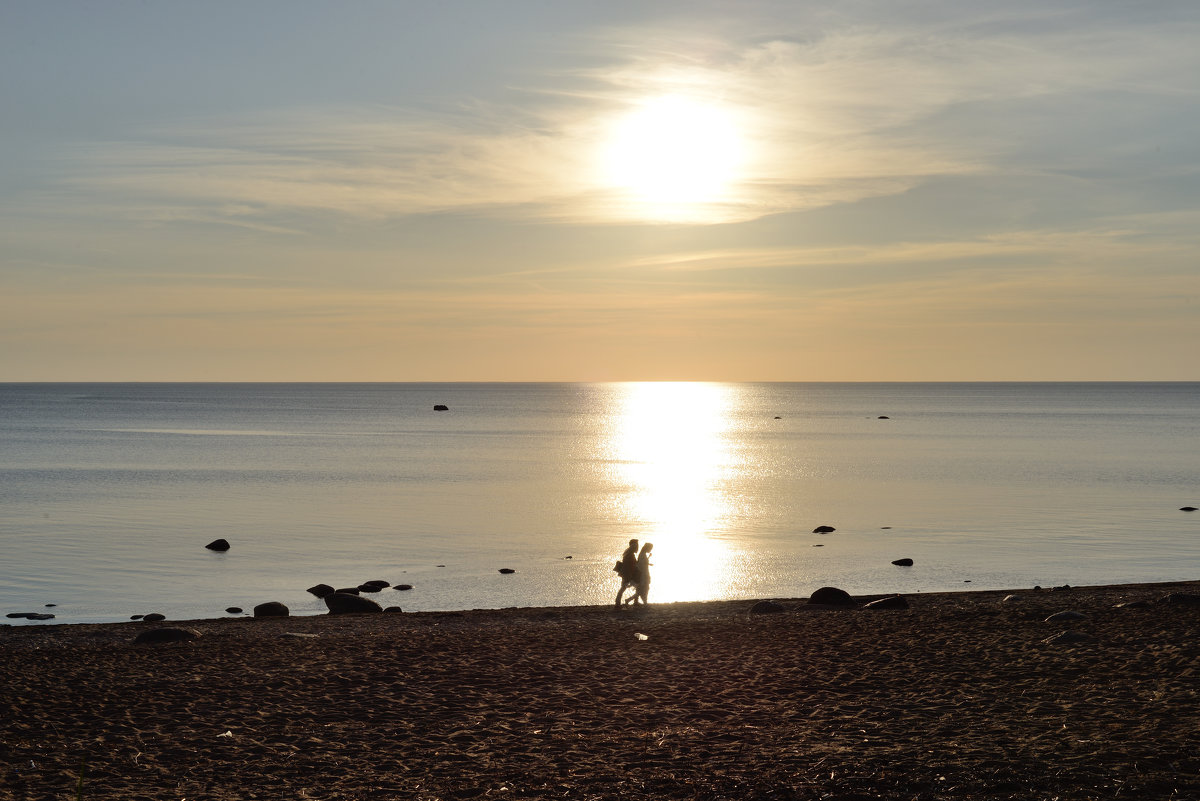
(109, 492)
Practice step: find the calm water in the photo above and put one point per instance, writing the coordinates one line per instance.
(108, 492)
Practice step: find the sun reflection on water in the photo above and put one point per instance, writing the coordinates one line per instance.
(672, 453)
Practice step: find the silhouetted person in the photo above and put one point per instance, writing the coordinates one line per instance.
(627, 570)
(642, 576)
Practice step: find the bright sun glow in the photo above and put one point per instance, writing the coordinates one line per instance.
(674, 152)
(671, 443)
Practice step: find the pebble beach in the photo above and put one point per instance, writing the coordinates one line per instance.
(969, 695)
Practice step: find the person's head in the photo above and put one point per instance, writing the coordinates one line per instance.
(648, 547)
(633, 544)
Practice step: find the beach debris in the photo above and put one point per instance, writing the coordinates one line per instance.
(165, 634)
(218, 545)
(905, 562)
(1191, 599)
(824, 530)
(225, 734)
(1187, 508)
(1068, 638)
(507, 570)
(441, 407)
(298, 635)
(1008, 599)
(831, 596)
(319, 590)
(154, 617)
(344, 603)
(403, 587)
(233, 610)
(637, 635)
(271, 609)
(1060, 616)
(30, 615)
(891, 602)
(1132, 605)
(766, 608)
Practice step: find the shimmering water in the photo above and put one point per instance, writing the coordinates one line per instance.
(108, 492)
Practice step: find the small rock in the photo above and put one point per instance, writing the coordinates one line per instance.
(507, 570)
(1186, 598)
(905, 562)
(831, 596)
(50, 605)
(153, 617)
(320, 590)
(403, 587)
(393, 609)
(348, 590)
(819, 545)
(218, 545)
(344, 603)
(441, 407)
(1061, 616)
(1009, 599)
(370, 587)
(233, 610)
(883, 417)
(824, 530)
(165, 634)
(1132, 605)
(1062, 588)
(1187, 508)
(135, 617)
(30, 615)
(766, 608)
(271, 609)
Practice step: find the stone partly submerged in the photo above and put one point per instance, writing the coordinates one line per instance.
(344, 603)
(271, 609)
(905, 562)
(824, 530)
(320, 590)
(218, 545)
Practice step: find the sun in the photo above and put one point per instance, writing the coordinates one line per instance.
(674, 151)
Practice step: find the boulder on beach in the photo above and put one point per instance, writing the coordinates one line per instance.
(154, 617)
(905, 562)
(344, 603)
(831, 596)
(766, 608)
(218, 545)
(271, 609)
(824, 530)
(165, 634)
(320, 590)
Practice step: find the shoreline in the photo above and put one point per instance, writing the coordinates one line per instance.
(961, 696)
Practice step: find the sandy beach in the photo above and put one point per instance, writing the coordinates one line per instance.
(960, 696)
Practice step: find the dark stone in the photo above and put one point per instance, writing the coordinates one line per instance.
(234, 610)
(393, 609)
(1063, 588)
(271, 609)
(766, 608)
(135, 617)
(376, 583)
(218, 545)
(50, 605)
(153, 617)
(30, 615)
(883, 417)
(1187, 508)
(403, 587)
(344, 603)
(441, 407)
(892, 602)
(370, 587)
(905, 562)
(346, 591)
(165, 634)
(777, 417)
(1187, 598)
(824, 529)
(831, 596)
(320, 590)
(507, 570)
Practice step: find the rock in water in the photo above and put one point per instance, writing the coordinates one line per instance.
(1187, 508)
(271, 609)
(441, 407)
(1058, 617)
(218, 545)
(507, 570)
(234, 610)
(154, 617)
(343, 603)
(905, 562)
(320, 590)
(831, 596)
(824, 530)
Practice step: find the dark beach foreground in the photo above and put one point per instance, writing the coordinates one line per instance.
(960, 696)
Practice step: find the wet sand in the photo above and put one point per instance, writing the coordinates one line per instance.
(958, 697)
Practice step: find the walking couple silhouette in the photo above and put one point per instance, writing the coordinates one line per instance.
(634, 570)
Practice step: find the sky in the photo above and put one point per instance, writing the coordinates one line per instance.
(474, 190)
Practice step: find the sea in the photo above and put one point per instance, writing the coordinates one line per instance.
(110, 492)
